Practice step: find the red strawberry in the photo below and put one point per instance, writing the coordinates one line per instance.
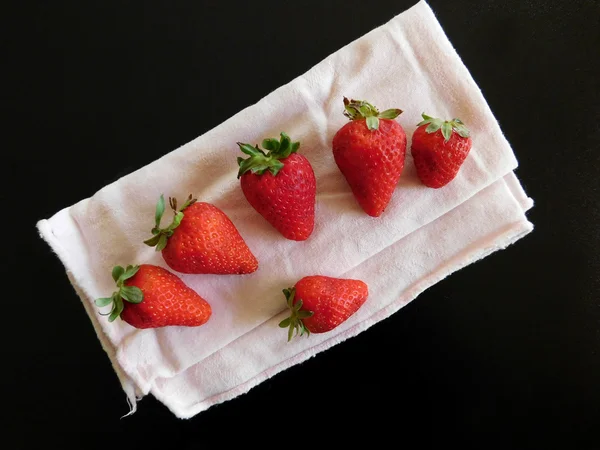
(152, 297)
(319, 304)
(439, 148)
(280, 184)
(370, 151)
(201, 239)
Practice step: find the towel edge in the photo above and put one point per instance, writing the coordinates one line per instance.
(132, 391)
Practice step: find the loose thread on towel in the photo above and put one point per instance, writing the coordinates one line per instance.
(132, 405)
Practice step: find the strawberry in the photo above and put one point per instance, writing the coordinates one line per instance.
(151, 297)
(319, 304)
(370, 151)
(439, 148)
(280, 185)
(201, 239)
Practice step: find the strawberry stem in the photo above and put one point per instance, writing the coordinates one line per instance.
(132, 294)
(259, 161)
(360, 109)
(434, 124)
(161, 235)
(294, 322)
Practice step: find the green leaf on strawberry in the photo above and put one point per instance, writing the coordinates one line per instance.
(294, 321)
(162, 242)
(153, 241)
(284, 146)
(372, 123)
(102, 302)
(128, 273)
(160, 235)
(359, 109)
(390, 113)
(447, 126)
(260, 161)
(446, 130)
(117, 272)
(270, 144)
(117, 309)
(131, 294)
(160, 210)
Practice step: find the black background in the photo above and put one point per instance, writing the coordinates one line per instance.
(504, 353)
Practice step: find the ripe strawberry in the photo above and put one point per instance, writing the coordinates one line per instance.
(438, 156)
(319, 304)
(201, 239)
(280, 185)
(151, 297)
(370, 151)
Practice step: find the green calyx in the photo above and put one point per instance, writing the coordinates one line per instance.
(445, 126)
(131, 294)
(259, 161)
(294, 321)
(160, 235)
(359, 109)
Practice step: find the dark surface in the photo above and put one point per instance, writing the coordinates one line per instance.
(504, 353)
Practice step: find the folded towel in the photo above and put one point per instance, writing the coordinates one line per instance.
(424, 234)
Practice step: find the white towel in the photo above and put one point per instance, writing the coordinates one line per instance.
(424, 234)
